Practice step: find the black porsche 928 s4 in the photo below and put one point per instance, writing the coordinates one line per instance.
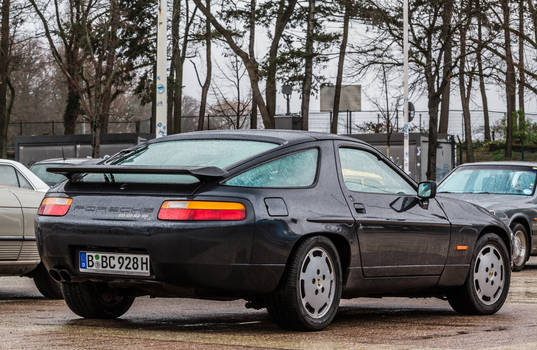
(290, 221)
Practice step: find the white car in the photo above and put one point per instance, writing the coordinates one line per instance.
(21, 192)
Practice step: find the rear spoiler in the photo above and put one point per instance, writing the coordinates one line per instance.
(201, 173)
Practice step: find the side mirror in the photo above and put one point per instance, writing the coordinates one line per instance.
(427, 189)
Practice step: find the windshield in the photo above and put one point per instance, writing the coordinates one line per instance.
(185, 153)
(49, 178)
(494, 180)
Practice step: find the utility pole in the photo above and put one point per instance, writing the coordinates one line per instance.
(162, 76)
(405, 88)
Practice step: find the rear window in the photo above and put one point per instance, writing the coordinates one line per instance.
(185, 153)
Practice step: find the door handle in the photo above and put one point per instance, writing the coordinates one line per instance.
(360, 208)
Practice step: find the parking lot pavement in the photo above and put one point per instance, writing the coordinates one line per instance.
(29, 322)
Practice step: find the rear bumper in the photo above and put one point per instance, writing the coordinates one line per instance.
(213, 259)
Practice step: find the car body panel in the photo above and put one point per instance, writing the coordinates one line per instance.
(32, 179)
(248, 258)
(18, 249)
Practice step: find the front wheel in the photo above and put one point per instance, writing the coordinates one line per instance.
(487, 284)
(91, 300)
(309, 294)
(521, 251)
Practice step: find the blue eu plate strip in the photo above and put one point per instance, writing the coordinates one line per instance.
(83, 264)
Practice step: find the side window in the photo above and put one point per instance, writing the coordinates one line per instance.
(8, 177)
(364, 172)
(294, 170)
(23, 182)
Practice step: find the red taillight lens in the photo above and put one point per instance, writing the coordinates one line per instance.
(54, 206)
(201, 211)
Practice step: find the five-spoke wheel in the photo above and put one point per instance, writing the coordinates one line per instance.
(308, 296)
(487, 284)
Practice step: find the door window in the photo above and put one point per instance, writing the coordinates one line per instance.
(8, 176)
(294, 170)
(23, 183)
(363, 172)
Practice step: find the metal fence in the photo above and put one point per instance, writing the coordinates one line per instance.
(349, 123)
(354, 122)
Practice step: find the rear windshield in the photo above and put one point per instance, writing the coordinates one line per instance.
(184, 153)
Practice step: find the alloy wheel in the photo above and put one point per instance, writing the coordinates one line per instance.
(519, 247)
(317, 282)
(489, 275)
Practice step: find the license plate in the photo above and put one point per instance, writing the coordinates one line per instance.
(114, 263)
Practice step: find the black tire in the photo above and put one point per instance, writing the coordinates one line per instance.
(46, 285)
(466, 299)
(90, 300)
(286, 305)
(520, 262)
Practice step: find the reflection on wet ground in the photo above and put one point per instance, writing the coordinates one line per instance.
(31, 322)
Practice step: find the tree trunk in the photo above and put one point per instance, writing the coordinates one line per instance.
(96, 137)
(522, 76)
(447, 38)
(308, 70)
(4, 63)
(284, 15)
(251, 67)
(251, 52)
(340, 66)
(464, 90)
(174, 89)
(433, 101)
(482, 88)
(72, 110)
(510, 82)
(207, 83)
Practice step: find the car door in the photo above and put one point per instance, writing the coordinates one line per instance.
(398, 233)
(11, 225)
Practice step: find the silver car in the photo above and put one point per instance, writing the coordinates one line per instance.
(21, 193)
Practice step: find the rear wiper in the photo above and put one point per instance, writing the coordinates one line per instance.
(126, 152)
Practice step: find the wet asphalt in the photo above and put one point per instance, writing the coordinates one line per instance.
(27, 321)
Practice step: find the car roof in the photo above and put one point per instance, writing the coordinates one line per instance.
(267, 135)
(502, 163)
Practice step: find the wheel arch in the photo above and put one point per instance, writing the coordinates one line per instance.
(504, 235)
(342, 245)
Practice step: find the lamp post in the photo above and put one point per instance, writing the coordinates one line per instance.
(161, 76)
(405, 89)
(287, 90)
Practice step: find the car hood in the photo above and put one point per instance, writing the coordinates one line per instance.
(489, 201)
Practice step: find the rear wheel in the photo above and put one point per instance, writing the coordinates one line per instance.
(487, 284)
(308, 297)
(90, 300)
(521, 250)
(46, 285)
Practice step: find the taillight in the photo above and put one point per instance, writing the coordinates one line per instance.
(54, 206)
(201, 211)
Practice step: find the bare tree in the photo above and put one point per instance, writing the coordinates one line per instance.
(209, 64)
(5, 39)
(447, 37)
(510, 80)
(340, 65)
(308, 67)
(466, 77)
(234, 108)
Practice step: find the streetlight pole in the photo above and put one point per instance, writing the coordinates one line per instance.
(405, 89)
(161, 83)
